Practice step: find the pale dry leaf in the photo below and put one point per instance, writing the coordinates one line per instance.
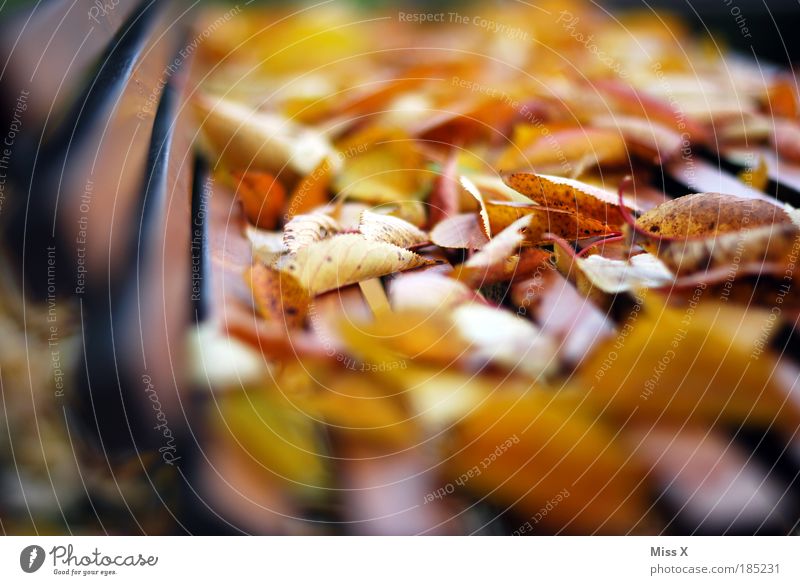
(460, 231)
(428, 292)
(262, 140)
(617, 276)
(380, 227)
(303, 230)
(500, 337)
(267, 246)
(346, 259)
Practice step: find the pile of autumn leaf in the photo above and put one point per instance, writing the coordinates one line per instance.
(431, 272)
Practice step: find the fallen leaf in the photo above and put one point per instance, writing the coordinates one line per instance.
(567, 152)
(500, 260)
(709, 213)
(539, 448)
(570, 195)
(304, 230)
(265, 141)
(388, 171)
(346, 259)
(277, 295)
(312, 190)
(498, 215)
(263, 197)
(460, 231)
(499, 337)
(379, 227)
(647, 139)
(267, 246)
(617, 276)
(428, 292)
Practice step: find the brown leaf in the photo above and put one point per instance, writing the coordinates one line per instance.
(709, 213)
(312, 190)
(544, 220)
(263, 197)
(768, 248)
(498, 215)
(569, 195)
(278, 296)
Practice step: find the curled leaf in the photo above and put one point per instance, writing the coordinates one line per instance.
(380, 227)
(346, 259)
(304, 230)
(498, 215)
